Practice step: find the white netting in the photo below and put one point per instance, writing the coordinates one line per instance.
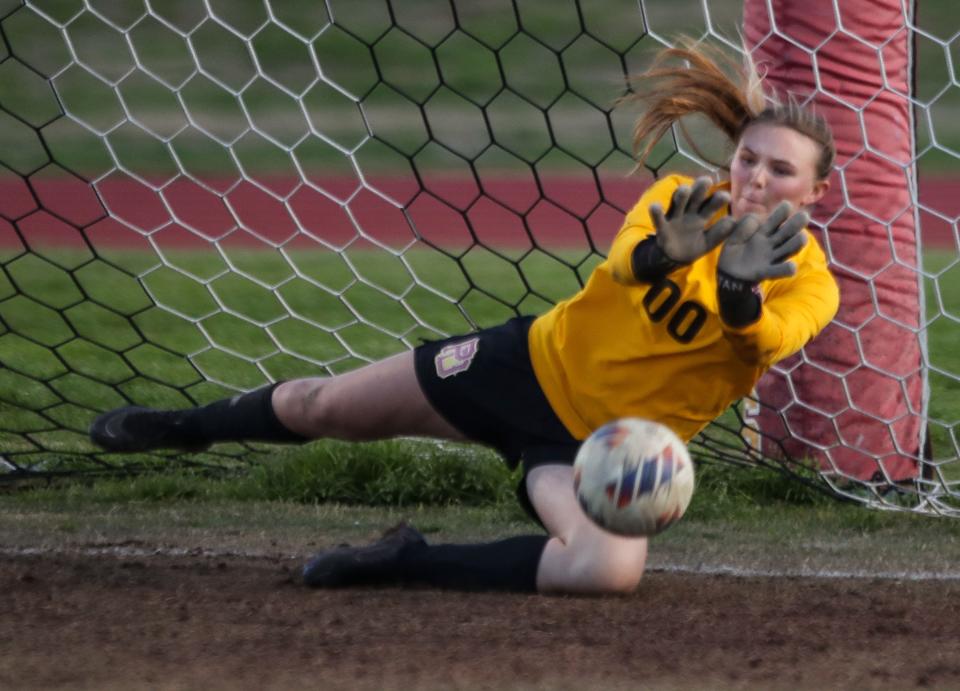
(201, 197)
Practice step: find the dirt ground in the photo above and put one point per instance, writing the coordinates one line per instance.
(194, 621)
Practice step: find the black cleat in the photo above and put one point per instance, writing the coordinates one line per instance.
(344, 566)
(135, 428)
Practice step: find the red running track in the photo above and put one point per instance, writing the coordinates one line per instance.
(561, 213)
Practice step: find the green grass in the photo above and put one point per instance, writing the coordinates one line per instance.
(404, 474)
(942, 292)
(82, 334)
(391, 473)
(111, 319)
(736, 521)
(67, 358)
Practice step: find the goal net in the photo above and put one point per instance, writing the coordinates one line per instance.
(197, 198)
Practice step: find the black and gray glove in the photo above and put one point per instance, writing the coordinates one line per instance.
(757, 250)
(682, 233)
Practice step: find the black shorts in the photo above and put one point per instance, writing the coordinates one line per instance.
(483, 384)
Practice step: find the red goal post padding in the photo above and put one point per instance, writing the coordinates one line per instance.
(854, 400)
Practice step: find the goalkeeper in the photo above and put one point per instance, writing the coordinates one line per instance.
(705, 287)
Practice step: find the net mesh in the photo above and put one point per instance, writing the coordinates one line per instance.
(198, 198)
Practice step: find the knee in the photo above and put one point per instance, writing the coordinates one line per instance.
(604, 566)
(617, 576)
(612, 564)
(305, 405)
(625, 583)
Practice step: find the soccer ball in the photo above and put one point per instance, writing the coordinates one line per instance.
(633, 477)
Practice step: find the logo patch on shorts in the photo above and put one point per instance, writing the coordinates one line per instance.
(456, 357)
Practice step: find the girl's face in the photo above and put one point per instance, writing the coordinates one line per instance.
(774, 163)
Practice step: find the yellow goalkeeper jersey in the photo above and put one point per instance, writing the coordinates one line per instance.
(660, 351)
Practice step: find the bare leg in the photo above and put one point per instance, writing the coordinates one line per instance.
(379, 401)
(580, 557)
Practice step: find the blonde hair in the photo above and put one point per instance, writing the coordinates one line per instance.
(704, 85)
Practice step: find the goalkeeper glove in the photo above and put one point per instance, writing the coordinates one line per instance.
(757, 250)
(682, 233)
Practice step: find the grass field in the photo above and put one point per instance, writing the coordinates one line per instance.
(507, 89)
(270, 320)
(717, 531)
(177, 334)
(740, 520)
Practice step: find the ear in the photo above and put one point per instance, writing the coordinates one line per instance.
(820, 188)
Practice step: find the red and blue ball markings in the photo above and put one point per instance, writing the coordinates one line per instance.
(644, 472)
(611, 434)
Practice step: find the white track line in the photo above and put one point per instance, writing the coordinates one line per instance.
(742, 572)
(120, 550)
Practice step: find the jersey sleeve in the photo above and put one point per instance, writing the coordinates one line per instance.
(794, 310)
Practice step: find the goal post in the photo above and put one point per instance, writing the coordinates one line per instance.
(199, 198)
(855, 399)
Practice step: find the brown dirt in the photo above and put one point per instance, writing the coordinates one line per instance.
(80, 621)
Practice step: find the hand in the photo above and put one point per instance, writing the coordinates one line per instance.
(757, 250)
(682, 234)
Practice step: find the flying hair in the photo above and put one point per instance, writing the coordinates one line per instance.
(730, 95)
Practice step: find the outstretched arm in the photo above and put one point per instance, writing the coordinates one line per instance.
(653, 242)
(801, 297)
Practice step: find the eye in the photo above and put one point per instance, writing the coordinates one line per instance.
(783, 171)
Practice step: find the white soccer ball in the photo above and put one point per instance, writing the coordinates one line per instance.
(633, 477)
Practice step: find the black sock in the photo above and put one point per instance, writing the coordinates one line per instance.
(509, 564)
(244, 417)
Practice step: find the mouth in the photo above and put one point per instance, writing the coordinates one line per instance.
(752, 203)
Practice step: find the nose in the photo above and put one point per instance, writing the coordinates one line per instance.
(758, 177)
